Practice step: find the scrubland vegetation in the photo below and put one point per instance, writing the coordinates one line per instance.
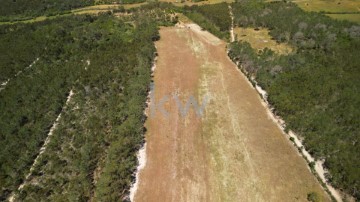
(315, 89)
(106, 62)
(214, 18)
(23, 9)
(260, 39)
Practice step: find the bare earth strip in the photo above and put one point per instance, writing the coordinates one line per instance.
(234, 152)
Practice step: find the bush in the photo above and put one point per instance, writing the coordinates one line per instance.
(313, 197)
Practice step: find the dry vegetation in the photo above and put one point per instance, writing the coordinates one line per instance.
(93, 10)
(196, 2)
(349, 17)
(183, 18)
(260, 39)
(329, 5)
(340, 9)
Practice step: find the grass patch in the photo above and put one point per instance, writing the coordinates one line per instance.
(348, 17)
(329, 5)
(260, 39)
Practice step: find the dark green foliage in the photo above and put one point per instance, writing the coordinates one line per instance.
(24, 9)
(217, 14)
(161, 12)
(313, 197)
(215, 18)
(32, 100)
(315, 89)
(101, 128)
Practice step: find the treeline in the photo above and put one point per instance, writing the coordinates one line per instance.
(106, 62)
(315, 89)
(16, 10)
(215, 18)
(24, 9)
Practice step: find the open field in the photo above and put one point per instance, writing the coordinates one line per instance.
(333, 6)
(337, 9)
(349, 17)
(81, 11)
(234, 152)
(106, 7)
(190, 3)
(260, 39)
(329, 5)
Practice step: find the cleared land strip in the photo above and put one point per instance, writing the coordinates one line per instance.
(4, 84)
(43, 148)
(234, 152)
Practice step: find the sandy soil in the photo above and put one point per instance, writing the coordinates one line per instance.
(232, 35)
(234, 152)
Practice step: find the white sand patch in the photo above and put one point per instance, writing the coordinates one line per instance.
(153, 69)
(262, 92)
(87, 64)
(141, 155)
(142, 162)
(232, 24)
(180, 25)
(3, 85)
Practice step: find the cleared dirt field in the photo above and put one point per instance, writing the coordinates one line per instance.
(260, 39)
(234, 152)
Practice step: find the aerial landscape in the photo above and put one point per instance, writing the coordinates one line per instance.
(180, 100)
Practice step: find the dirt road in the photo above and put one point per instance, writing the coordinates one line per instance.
(234, 151)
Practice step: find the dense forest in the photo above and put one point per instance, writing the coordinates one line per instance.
(105, 61)
(213, 18)
(316, 88)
